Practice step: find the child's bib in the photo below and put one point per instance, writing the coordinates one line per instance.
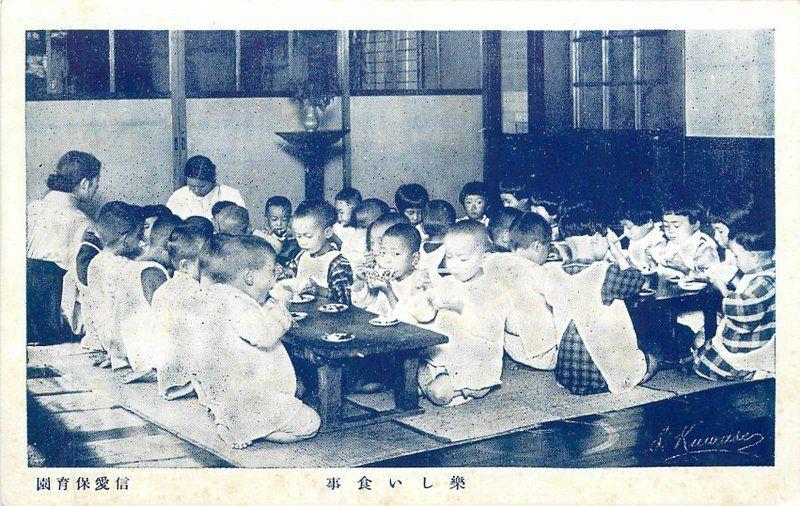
(315, 268)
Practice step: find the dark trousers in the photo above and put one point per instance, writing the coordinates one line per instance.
(43, 301)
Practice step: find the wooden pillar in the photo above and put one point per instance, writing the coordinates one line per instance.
(492, 112)
(177, 86)
(344, 83)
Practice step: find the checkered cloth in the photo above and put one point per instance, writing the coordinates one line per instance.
(748, 324)
(340, 277)
(575, 369)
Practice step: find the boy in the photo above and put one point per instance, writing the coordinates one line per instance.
(410, 199)
(278, 212)
(514, 193)
(173, 315)
(347, 200)
(218, 208)
(500, 225)
(361, 295)
(437, 219)
(368, 211)
(548, 208)
(474, 199)
(319, 268)
(240, 363)
(744, 345)
(233, 220)
(155, 246)
(642, 233)
(598, 348)
(471, 308)
(119, 228)
(685, 248)
(150, 214)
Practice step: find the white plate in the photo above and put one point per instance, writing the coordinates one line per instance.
(338, 337)
(646, 292)
(302, 298)
(332, 308)
(383, 321)
(299, 315)
(692, 285)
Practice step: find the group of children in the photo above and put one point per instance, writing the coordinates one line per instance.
(201, 305)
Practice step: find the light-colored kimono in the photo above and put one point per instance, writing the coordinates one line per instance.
(176, 334)
(606, 331)
(88, 311)
(530, 335)
(315, 268)
(241, 365)
(104, 277)
(406, 290)
(637, 248)
(354, 243)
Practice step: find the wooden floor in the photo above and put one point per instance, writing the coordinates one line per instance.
(69, 426)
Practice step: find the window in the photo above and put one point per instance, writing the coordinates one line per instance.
(514, 81)
(414, 61)
(627, 80)
(141, 63)
(210, 62)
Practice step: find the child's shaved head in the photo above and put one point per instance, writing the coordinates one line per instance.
(224, 257)
(469, 229)
(233, 219)
(370, 210)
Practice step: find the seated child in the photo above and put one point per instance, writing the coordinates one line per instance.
(119, 227)
(278, 211)
(155, 247)
(474, 198)
(362, 296)
(216, 209)
(530, 335)
(203, 224)
(514, 193)
(598, 348)
(721, 217)
(353, 239)
(499, 227)
(437, 219)
(240, 363)
(233, 220)
(150, 213)
(471, 309)
(744, 345)
(173, 314)
(642, 233)
(368, 211)
(410, 199)
(684, 248)
(548, 208)
(319, 268)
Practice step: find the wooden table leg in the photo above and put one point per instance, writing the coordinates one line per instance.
(405, 387)
(329, 377)
(710, 316)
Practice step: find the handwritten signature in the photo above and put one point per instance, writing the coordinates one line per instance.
(685, 442)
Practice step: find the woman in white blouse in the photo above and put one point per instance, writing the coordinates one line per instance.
(55, 228)
(201, 191)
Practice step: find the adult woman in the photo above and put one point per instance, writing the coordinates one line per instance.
(55, 228)
(201, 191)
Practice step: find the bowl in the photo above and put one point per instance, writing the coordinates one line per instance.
(333, 308)
(299, 315)
(338, 337)
(302, 298)
(384, 321)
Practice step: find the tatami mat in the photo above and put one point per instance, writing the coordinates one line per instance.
(682, 383)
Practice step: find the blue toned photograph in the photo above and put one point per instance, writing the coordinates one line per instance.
(414, 249)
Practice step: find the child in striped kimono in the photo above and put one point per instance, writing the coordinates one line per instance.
(240, 364)
(173, 315)
(744, 345)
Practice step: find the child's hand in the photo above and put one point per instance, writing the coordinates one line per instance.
(311, 288)
(612, 237)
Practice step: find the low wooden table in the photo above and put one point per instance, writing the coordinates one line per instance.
(402, 343)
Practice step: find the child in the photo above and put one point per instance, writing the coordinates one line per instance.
(685, 248)
(278, 212)
(233, 220)
(500, 225)
(598, 348)
(514, 193)
(548, 208)
(155, 249)
(120, 230)
(530, 335)
(150, 213)
(368, 211)
(471, 308)
(744, 345)
(319, 268)
(203, 224)
(240, 363)
(475, 200)
(410, 199)
(216, 209)
(642, 233)
(721, 217)
(361, 295)
(173, 315)
(437, 219)
(353, 239)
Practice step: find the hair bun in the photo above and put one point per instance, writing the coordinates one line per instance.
(60, 182)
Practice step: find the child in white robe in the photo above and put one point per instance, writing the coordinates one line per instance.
(174, 317)
(120, 230)
(353, 239)
(642, 233)
(474, 198)
(241, 365)
(437, 219)
(471, 309)
(410, 200)
(278, 213)
(499, 228)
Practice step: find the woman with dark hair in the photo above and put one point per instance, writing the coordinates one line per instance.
(55, 228)
(201, 191)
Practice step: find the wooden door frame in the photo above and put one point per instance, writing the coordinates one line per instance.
(177, 87)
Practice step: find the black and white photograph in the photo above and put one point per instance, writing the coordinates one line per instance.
(397, 248)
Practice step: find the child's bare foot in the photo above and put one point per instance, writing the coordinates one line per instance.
(105, 364)
(224, 433)
(142, 376)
